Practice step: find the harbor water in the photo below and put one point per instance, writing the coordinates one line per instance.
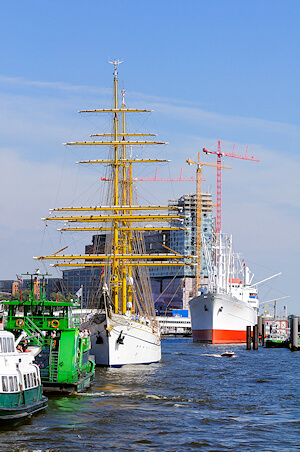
(192, 400)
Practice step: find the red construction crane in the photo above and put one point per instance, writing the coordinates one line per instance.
(155, 178)
(219, 153)
(199, 217)
(161, 179)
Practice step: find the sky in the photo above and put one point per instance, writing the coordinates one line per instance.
(213, 70)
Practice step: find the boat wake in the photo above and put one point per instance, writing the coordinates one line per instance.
(137, 395)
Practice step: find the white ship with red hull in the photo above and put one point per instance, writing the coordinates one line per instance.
(220, 318)
(224, 309)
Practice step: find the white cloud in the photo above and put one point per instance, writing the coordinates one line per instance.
(61, 86)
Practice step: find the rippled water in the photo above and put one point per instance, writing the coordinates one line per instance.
(193, 400)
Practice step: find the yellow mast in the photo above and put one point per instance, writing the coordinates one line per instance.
(115, 269)
(124, 235)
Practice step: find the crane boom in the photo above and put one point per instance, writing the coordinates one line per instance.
(219, 153)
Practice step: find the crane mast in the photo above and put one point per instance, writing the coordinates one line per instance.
(199, 217)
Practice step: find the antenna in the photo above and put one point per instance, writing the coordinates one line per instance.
(116, 63)
(123, 97)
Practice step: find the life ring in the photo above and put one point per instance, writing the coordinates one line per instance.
(20, 323)
(55, 323)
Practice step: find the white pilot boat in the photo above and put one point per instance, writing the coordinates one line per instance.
(20, 383)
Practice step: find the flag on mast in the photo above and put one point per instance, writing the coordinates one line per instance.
(102, 274)
(79, 293)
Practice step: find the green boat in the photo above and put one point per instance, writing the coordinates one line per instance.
(276, 340)
(20, 383)
(62, 352)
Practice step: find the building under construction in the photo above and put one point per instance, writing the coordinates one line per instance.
(173, 287)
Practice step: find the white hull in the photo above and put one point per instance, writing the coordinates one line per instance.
(221, 318)
(119, 340)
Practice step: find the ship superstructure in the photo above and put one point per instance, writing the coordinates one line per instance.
(50, 327)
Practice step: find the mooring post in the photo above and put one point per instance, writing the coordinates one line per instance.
(260, 323)
(255, 337)
(294, 334)
(248, 337)
(263, 326)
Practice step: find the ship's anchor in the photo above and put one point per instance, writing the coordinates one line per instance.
(120, 339)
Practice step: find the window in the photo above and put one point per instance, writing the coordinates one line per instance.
(4, 384)
(34, 379)
(9, 344)
(16, 384)
(4, 345)
(25, 381)
(11, 384)
(0, 345)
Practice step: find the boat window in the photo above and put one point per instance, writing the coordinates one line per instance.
(4, 345)
(16, 384)
(34, 379)
(4, 384)
(11, 384)
(25, 381)
(9, 345)
(12, 344)
(0, 345)
(31, 380)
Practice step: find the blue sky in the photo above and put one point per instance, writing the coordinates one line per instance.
(214, 70)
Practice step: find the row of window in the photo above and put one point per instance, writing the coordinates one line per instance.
(170, 323)
(30, 380)
(10, 383)
(6, 345)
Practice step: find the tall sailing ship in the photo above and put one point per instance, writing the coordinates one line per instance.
(229, 303)
(123, 325)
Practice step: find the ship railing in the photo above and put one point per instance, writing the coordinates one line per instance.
(33, 331)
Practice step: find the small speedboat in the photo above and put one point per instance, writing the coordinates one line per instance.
(228, 354)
